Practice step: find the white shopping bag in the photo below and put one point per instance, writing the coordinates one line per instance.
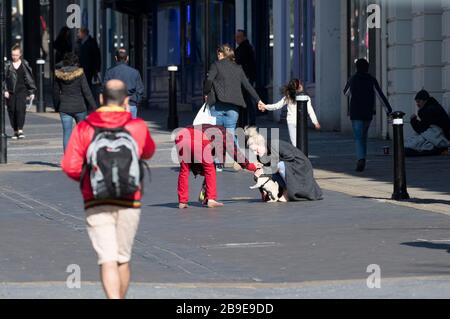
(204, 116)
(30, 104)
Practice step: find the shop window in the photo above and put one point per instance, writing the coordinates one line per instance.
(168, 29)
(358, 32)
(308, 41)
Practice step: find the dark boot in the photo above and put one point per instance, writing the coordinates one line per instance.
(361, 165)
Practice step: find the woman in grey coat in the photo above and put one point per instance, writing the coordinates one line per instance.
(223, 89)
(288, 166)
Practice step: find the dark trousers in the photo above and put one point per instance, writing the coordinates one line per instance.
(17, 110)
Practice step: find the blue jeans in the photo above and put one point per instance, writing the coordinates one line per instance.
(67, 123)
(133, 111)
(227, 115)
(361, 133)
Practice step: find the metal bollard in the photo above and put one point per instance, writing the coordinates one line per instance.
(173, 111)
(302, 123)
(400, 188)
(41, 103)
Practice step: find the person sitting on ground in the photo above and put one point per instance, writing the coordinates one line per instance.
(432, 128)
(290, 92)
(198, 147)
(288, 166)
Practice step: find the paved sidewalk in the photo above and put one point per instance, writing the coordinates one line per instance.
(332, 155)
(245, 250)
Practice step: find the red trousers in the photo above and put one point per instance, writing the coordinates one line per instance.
(195, 155)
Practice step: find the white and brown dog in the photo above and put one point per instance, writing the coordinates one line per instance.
(269, 189)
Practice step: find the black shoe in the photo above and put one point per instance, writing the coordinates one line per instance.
(21, 136)
(361, 165)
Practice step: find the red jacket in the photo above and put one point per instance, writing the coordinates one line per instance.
(82, 136)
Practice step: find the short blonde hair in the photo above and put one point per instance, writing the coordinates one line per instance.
(253, 137)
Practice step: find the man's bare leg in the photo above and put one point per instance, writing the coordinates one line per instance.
(111, 280)
(125, 275)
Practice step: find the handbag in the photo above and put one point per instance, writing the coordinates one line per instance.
(204, 116)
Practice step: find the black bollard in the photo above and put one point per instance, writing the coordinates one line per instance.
(3, 137)
(302, 123)
(400, 188)
(41, 104)
(173, 112)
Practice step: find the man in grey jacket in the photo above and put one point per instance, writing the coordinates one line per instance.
(130, 76)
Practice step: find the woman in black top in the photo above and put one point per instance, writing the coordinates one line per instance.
(223, 89)
(19, 87)
(72, 94)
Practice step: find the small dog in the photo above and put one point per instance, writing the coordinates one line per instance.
(269, 189)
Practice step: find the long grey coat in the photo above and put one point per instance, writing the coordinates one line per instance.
(300, 182)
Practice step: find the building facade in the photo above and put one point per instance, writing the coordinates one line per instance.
(409, 51)
(314, 40)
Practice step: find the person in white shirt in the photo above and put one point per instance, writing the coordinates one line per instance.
(290, 92)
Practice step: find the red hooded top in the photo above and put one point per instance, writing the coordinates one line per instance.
(82, 136)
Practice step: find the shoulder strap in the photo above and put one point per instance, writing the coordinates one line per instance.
(104, 129)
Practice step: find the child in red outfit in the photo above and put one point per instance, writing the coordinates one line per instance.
(197, 149)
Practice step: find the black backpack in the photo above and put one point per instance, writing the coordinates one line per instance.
(113, 164)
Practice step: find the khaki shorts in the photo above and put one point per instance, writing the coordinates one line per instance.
(112, 230)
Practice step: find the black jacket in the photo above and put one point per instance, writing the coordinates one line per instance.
(362, 89)
(300, 181)
(11, 77)
(131, 78)
(432, 114)
(71, 91)
(225, 82)
(90, 57)
(245, 56)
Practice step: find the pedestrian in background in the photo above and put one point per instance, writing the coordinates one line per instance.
(245, 56)
(224, 90)
(19, 88)
(112, 223)
(130, 76)
(89, 55)
(62, 44)
(362, 89)
(290, 92)
(72, 95)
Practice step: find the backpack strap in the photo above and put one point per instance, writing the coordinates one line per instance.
(145, 168)
(99, 130)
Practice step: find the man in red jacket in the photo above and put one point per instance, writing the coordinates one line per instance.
(198, 147)
(111, 224)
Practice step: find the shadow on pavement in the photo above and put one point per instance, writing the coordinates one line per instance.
(428, 245)
(44, 164)
(412, 200)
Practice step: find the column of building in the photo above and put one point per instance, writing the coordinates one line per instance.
(427, 47)
(400, 70)
(281, 49)
(328, 63)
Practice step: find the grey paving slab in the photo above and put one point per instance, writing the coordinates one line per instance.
(247, 241)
